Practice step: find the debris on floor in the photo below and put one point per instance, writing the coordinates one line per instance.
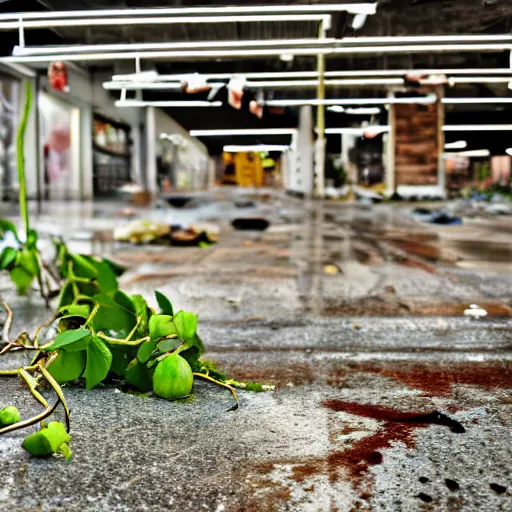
(475, 311)
(250, 223)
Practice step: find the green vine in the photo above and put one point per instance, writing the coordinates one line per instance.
(103, 335)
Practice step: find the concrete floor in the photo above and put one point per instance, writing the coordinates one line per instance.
(362, 358)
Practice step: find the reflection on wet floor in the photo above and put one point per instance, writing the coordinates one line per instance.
(316, 258)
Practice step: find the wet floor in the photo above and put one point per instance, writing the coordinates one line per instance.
(355, 313)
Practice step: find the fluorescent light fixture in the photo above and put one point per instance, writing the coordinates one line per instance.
(477, 127)
(470, 153)
(276, 75)
(356, 8)
(179, 104)
(91, 48)
(314, 83)
(261, 53)
(509, 151)
(464, 38)
(134, 86)
(159, 20)
(479, 80)
(459, 144)
(478, 101)
(359, 131)
(249, 131)
(255, 148)
(425, 100)
(370, 111)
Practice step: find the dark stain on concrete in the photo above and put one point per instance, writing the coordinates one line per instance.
(398, 426)
(439, 381)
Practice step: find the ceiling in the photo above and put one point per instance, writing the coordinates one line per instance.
(393, 18)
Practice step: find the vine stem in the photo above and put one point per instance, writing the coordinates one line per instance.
(32, 384)
(116, 341)
(43, 326)
(211, 379)
(20, 153)
(31, 421)
(7, 325)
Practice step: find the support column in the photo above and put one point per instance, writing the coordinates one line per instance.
(390, 150)
(149, 170)
(441, 169)
(319, 178)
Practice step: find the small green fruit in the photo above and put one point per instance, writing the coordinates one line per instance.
(9, 416)
(173, 378)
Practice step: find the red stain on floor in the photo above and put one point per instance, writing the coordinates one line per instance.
(398, 426)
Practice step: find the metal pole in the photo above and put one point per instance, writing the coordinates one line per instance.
(319, 169)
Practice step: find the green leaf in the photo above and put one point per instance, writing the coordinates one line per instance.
(66, 295)
(168, 345)
(8, 257)
(81, 310)
(138, 375)
(7, 225)
(186, 324)
(82, 267)
(121, 357)
(116, 313)
(106, 277)
(164, 303)
(192, 350)
(27, 258)
(68, 366)
(118, 269)
(143, 312)
(99, 360)
(160, 326)
(73, 316)
(145, 350)
(22, 279)
(67, 338)
(32, 237)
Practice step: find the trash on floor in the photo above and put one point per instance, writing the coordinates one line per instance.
(141, 232)
(145, 232)
(331, 269)
(250, 223)
(436, 217)
(475, 311)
